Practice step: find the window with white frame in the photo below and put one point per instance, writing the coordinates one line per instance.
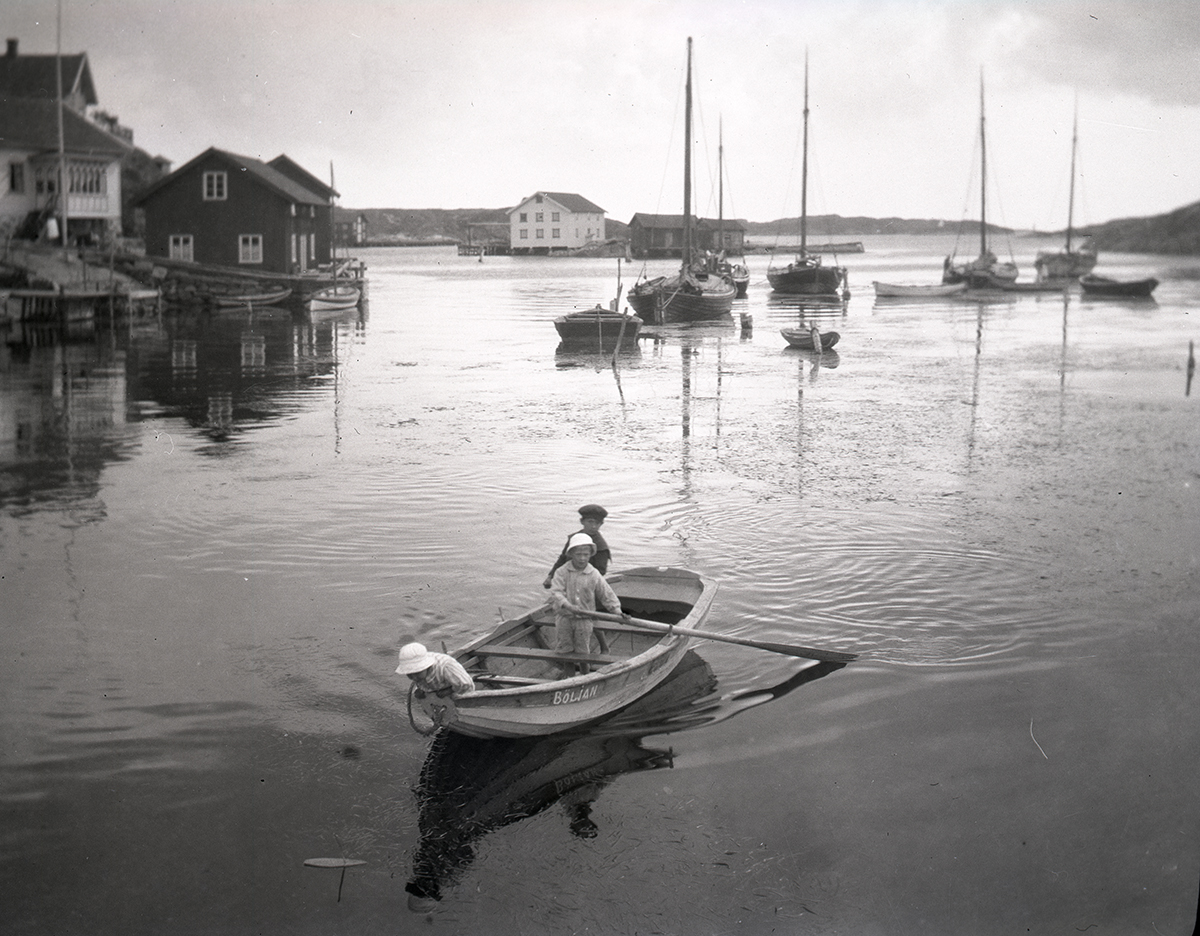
(250, 248)
(554, 233)
(180, 247)
(215, 186)
(554, 216)
(540, 234)
(16, 177)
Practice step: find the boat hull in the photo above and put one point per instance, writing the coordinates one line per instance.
(802, 338)
(550, 706)
(683, 298)
(1103, 286)
(808, 277)
(906, 291)
(334, 299)
(598, 326)
(252, 299)
(1064, 265)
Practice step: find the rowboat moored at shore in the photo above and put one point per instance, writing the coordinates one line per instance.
(334, 298)
(809, 339)
(252, 298)
(519, 688)
(1103, 286)
(599, 327)
(908, 291)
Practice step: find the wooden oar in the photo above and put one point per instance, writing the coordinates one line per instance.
(807, 653)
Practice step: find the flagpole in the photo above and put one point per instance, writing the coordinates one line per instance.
(64, 185)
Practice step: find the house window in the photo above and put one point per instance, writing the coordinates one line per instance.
(181, 247)
(524, 217)
(553, 233)
(16, 177)
(44, 180)
(554, 216)
(524, 233)
(214, 186)
(295, 250)
(292, 209)
(540, 233)
(538, 217)
(87, 179)
(250, 248)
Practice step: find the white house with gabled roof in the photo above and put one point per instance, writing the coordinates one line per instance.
(548, 222)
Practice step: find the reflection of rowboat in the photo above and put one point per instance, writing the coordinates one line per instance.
(806, 338)
(933, 291)
(1103, 286)
(334, 298)
(271, 297)
(472, 786)
(519, 687)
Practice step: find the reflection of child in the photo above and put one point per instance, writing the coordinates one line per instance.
(438, 673)
(576, 586)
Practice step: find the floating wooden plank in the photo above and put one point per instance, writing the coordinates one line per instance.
(333, 862)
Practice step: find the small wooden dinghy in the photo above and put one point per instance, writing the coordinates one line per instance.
(337, 298)
(1103, 286)
(914, 291)
(519, 689)
(598, 327)
(263, 298)
(806, 339)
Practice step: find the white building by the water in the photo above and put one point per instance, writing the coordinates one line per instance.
(547, 222)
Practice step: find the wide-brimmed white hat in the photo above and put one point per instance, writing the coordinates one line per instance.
(581, 539)
(414, 658)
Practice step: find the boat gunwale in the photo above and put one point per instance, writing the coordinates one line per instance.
(665, 644)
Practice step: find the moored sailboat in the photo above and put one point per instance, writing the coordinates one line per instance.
(698, 292)
(806, 274)
(1067, 264)
(986, 270)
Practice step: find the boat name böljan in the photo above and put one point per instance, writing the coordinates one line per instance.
(563, 696)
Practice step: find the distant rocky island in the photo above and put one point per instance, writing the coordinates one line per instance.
(1177, 232)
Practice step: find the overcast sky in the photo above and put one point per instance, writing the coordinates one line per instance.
(479, 103)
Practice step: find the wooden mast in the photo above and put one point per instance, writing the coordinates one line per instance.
(804, 169)
(983, 247)
(64, 185)
(1071, 196)
(720, 184)
(687, 162)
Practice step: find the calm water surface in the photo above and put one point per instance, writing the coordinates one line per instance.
(216, 527)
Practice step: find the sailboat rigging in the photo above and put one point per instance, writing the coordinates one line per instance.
(986, 270)
(1067, 264)
(340, 296)
(697, 292)
(806, 274)
(737, 271)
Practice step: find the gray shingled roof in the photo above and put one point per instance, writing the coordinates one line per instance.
(32, 76)
(576, 204)
(33, 124)
(271, 178)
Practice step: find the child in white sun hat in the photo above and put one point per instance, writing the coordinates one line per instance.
(433, 672)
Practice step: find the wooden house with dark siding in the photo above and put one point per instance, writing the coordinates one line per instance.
(655, 235)
(235, 211)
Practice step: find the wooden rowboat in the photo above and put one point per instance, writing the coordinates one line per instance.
(519, 689)
(257, 298)
(598, 327)
(334, 298)
(909, 291)
(806, 338)
(1103, 286)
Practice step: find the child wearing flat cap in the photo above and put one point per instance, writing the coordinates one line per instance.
(591, 516)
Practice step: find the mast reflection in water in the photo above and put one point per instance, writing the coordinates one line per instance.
(472, 786)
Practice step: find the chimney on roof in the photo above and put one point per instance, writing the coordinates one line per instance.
(11, 52)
